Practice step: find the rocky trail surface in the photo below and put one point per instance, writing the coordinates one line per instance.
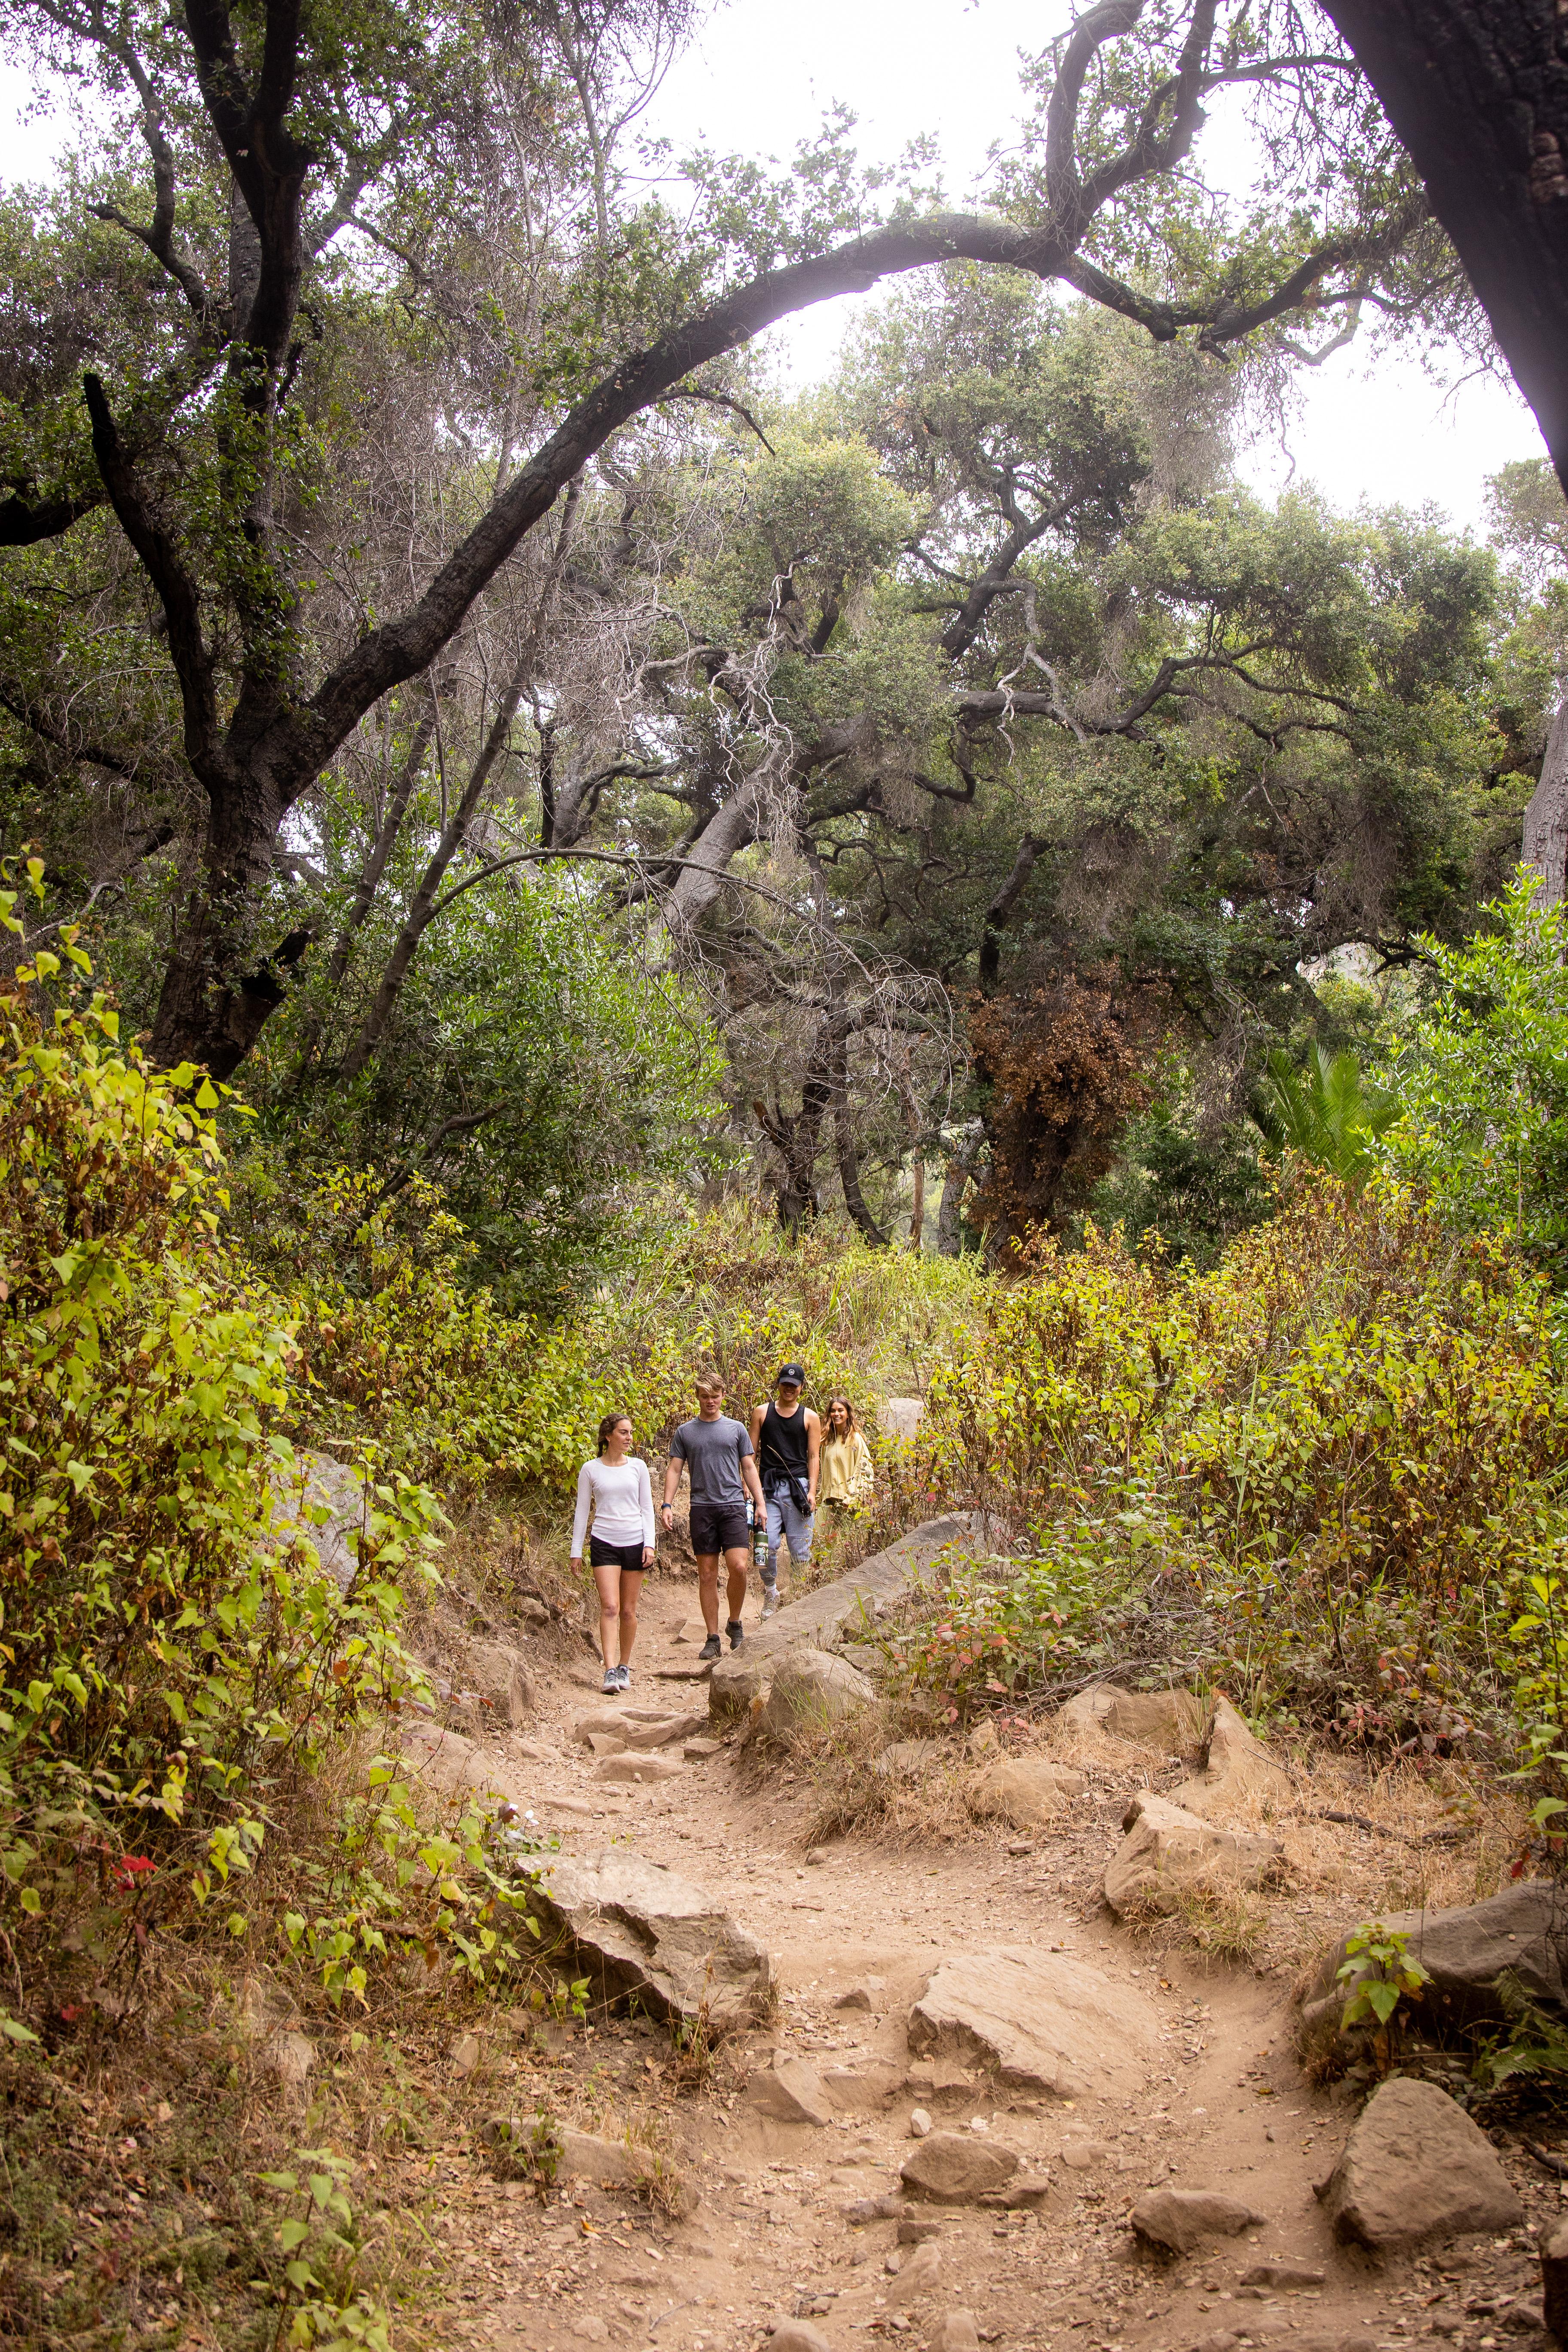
(972, 2106)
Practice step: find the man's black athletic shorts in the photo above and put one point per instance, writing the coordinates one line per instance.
(719, 1527)
(627, 1558)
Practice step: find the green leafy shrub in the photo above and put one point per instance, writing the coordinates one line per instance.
(1328, 1470)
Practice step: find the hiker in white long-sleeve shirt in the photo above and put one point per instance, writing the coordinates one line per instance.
(620, 1548)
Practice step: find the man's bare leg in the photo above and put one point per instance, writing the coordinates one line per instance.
(708, 1588)
(737, 1560)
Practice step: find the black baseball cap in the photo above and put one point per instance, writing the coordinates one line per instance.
(794, 1373)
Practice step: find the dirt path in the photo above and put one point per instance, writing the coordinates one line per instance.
(768, 2240)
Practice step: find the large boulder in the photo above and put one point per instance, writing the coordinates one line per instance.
(1177, 2220)
(1040, 2020)
(955, 2168)
(810, 1688)
(832, 1615)
(1238, 1770)
(1170, 1720)
(1416, 2166)
(500, 1676)
(1169, 1854)
(635, 1928)
(1024, 1791)
(1522, 1932)
(322, 1502)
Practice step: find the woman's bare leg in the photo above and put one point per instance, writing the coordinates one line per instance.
(631, 1593)
(608, 1581)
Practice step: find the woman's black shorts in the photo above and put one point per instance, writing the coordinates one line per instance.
(627, 1558)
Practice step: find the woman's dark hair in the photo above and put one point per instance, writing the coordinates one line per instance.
(849, 1411)
(608, 1426)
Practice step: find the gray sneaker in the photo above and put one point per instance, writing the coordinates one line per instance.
(612, 1681)
(623, 1677)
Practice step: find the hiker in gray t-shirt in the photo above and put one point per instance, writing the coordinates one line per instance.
(716, 1453)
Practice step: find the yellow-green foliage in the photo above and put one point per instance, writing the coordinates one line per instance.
(172, 1677)
(1332, 1462)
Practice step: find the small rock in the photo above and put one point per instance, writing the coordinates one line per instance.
(955, 2331)
(918, 2273)
(1024, 1791)
(1416, 2166)
(1284, 2275)
(979, 2124)
(816, 1856)
(605, 1743)
(919, 2125)
(590, 2329)
(697, 1751)
(1168, 1853)
(1180, 2218)
(638, 1768)
(1344, 2339)
(1219, 2340)
(858, 1997)
(798, 2336)
(861, 2209)
(902, 1758)
(792, 2090)
(1082, 2155)
(1026, 2193)
(914, 2229)
(953, 2167)
(466, 2053)
(608, 2163)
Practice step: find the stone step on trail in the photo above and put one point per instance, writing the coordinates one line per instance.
(1040, 2020)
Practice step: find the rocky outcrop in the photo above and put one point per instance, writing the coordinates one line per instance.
(1522, 1932)
(955, 2168)
(457, 1768)
(1415, 2168)
(1169, 1853)
(833, 1614)
(1177, 2220)
(1238, 1770)
(1024, 1791)
(501, 1677)
(1170, 1720)
(811, 1688)
(635, 1928)
(323, 1504)
(1040, 2020)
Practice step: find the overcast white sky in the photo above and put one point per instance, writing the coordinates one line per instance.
(759, 79)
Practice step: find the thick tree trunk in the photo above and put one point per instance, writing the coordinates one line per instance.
(218, 990)
(1477, 91)
(1546, 818)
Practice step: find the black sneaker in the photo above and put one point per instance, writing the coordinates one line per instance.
(736, 1631)
(710, 1647)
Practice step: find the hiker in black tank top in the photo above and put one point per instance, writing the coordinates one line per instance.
(787, 1436)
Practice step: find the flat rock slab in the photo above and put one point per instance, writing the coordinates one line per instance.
(1416, 2166)
(630, 1767)
(1041, 2021)
(1170, 1720)
(832, 1614)
(1238, 1770)
(955, 2168)
(1177, 2220)
(636, 1928)
(1523, 1930)
(1024, 1791)
(1168, 1853)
